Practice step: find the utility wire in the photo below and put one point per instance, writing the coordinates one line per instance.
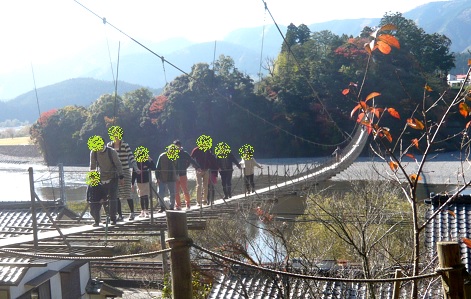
(346, 136)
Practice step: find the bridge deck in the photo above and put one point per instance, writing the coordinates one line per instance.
(318, 173)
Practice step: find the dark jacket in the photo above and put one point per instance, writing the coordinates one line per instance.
(166, 170)
(145, 168)
(96, 193)
(184, 161)
(206, 159)
(225, 164)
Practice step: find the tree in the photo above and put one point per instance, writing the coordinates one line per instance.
(302, 88)
(366, 224)
(303, 34)
(216, 102)
(429, 51)
(290, 38)
(57, 133)
(426, 126)
(131, 117)
(102, 113)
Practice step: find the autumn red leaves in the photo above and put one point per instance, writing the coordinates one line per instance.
(366, 111)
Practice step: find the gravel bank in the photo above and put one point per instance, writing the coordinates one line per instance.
(20, 154)
(444, 169)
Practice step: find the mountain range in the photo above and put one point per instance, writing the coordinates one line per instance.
(139, 67)
(77, 91)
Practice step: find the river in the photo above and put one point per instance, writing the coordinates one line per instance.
(441, 174)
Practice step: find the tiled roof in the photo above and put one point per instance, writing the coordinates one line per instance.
(452, 224)
(16, 217)
(257, 285)
(249, 284)
(16, 220)
(12, 275)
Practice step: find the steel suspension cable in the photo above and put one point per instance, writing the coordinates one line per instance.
(116, 88)
(316, 95)
(261, 48)
(109, 51)
(346, 136)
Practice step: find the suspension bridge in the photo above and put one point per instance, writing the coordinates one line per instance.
(52, 223)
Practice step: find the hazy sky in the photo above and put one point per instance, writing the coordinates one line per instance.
(38, 31)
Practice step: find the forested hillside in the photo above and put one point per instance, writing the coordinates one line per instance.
(298, 110)
(78, 91)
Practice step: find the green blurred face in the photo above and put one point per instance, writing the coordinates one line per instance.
(96, 143)
(115, 133)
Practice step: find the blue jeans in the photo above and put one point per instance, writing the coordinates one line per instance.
(171, 189)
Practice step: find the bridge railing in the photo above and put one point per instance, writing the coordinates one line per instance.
(68, 183)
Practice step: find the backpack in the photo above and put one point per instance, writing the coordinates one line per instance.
(109, 157)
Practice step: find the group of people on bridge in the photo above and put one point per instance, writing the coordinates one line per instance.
(116, 172)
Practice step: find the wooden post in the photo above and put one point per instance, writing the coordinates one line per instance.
(397, 285)
(452, 281)
(180, 255)
(33, 208)
(164, 255)
(63, 198)
(269, 181)
(151, 199)
(276, 174)
(284, 169)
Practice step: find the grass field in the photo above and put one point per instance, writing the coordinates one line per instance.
(15, 141)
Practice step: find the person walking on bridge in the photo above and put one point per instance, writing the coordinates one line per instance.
(96, 195)
(106, 161)
(248, 164)
(127, 161)
(183, 162)
(225, 162)
(145, 164)
(203, 156)
(166, 174)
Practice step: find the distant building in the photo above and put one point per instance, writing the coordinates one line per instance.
(27, 276)
(455, 81)
(60, 279)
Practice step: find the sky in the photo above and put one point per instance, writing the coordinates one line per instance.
(38, 32)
